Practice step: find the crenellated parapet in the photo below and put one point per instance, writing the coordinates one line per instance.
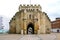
(30, 7)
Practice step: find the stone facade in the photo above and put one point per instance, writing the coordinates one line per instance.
(30, 16)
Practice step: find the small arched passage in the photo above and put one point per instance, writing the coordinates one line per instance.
(58, 31)
(30, 28)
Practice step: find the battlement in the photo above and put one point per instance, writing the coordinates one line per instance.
(23, 7)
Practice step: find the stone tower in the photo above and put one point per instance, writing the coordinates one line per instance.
(30, 20)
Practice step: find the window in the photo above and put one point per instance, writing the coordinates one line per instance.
(30, 16)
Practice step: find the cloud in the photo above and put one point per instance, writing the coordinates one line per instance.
(53, 9)
(9, 7)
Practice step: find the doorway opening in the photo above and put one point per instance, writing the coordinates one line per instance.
(30, 29)
(58, 31)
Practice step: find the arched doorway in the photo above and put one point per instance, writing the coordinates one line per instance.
(58, 31)
(30, 29)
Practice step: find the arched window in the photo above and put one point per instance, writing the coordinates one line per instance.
(30, 16)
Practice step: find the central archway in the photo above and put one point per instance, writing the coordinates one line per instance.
(30, 28)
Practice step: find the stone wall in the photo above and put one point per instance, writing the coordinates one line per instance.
(30, 14)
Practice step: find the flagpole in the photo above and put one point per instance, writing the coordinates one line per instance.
(30, 2)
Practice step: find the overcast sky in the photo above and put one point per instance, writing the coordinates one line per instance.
(9, 7)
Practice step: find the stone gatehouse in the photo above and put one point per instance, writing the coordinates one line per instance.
(30, 20)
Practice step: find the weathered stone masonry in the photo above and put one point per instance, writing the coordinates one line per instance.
(30, 15)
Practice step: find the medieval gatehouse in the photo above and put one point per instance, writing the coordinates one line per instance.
(30, 20)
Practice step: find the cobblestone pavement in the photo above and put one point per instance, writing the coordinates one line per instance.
(52, 36)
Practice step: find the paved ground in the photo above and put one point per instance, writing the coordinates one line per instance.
(57, 36)
(52, 36)
(38, 37)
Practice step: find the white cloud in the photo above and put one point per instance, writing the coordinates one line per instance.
(9, 7)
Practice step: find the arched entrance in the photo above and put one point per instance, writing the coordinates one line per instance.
(58, 31)
(30, 29)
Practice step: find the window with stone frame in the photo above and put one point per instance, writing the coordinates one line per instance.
(30, 16)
